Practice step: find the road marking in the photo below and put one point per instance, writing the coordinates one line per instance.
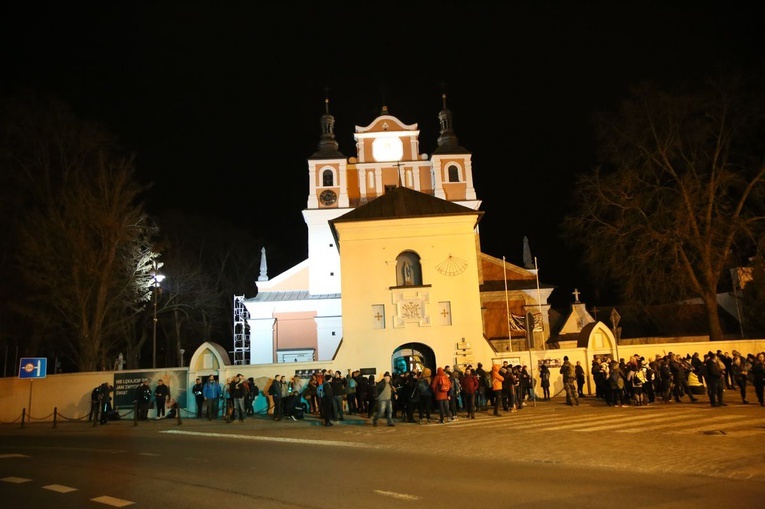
(272, 439)
(393, 494)
(4, 456)
(59, 488)
(15, 480)
(741, 422)
(147, 454)
(114, 502)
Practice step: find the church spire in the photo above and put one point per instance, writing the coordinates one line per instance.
(328, 146)
(447, 141)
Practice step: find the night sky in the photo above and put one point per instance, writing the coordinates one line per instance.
(221, 105)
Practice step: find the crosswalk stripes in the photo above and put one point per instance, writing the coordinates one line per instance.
(631, 420)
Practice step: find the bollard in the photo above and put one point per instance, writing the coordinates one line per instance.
(55, 416)
(23, 416)
(178, 413)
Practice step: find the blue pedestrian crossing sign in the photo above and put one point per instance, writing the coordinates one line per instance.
(33, 367)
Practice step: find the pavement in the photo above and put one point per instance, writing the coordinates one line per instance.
(682, 438)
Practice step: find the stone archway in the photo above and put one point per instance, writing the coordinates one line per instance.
(413, 357)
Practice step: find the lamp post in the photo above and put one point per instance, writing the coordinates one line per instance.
(156, 280)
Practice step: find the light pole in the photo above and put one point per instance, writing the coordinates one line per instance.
(156, 280)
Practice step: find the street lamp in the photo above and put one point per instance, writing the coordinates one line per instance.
(156, 280)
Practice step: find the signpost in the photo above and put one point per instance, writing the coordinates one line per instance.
(31, 368)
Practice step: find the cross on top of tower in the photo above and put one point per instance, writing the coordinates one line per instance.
(576, 293)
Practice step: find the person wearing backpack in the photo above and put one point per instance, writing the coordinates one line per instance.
(426, 395)
(440, 387)
(616, 384)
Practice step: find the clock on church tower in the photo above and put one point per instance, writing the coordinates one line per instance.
(387, 148)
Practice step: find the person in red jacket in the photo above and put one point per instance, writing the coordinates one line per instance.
(440, 387)
(469, 389)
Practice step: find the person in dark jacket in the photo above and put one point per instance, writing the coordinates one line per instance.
(339, 386)
(715, 379)
(161, 395)
(371, 396)
(275, 391)
(327, 399)
(143, 399)
(544, 377)
(426, 396)
(411, 392)
(105, 401)
(199, 397)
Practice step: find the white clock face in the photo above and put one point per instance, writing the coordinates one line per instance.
(387, 148)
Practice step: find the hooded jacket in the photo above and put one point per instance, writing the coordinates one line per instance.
(434, 385)
(496, 378)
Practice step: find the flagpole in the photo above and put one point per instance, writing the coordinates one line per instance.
(539, 303)
(507, 306)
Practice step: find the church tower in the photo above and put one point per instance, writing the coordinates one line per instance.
(394, 270)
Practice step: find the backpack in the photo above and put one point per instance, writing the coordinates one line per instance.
(95, 393)
(614, 376)
(456, 385)
(443, 384)
(487, 380)
(424, 387)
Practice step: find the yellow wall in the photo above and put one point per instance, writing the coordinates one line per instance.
(368, 252)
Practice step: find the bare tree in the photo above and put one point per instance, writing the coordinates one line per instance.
(83, 242)
(678, 187)
(206, 264)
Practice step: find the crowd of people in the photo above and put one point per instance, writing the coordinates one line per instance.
(415, 396)
(671, 377)
(419, 396)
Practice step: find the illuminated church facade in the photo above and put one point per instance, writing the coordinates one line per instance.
(395, 277)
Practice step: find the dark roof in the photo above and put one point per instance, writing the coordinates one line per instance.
(269, 296)
(403, 202)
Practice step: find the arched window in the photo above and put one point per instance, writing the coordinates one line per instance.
(327, 178)
(454, 173)
(408, 269)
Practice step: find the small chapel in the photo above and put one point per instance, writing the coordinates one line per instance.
(395, 277)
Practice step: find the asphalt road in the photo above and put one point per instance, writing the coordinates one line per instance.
(548, 455)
